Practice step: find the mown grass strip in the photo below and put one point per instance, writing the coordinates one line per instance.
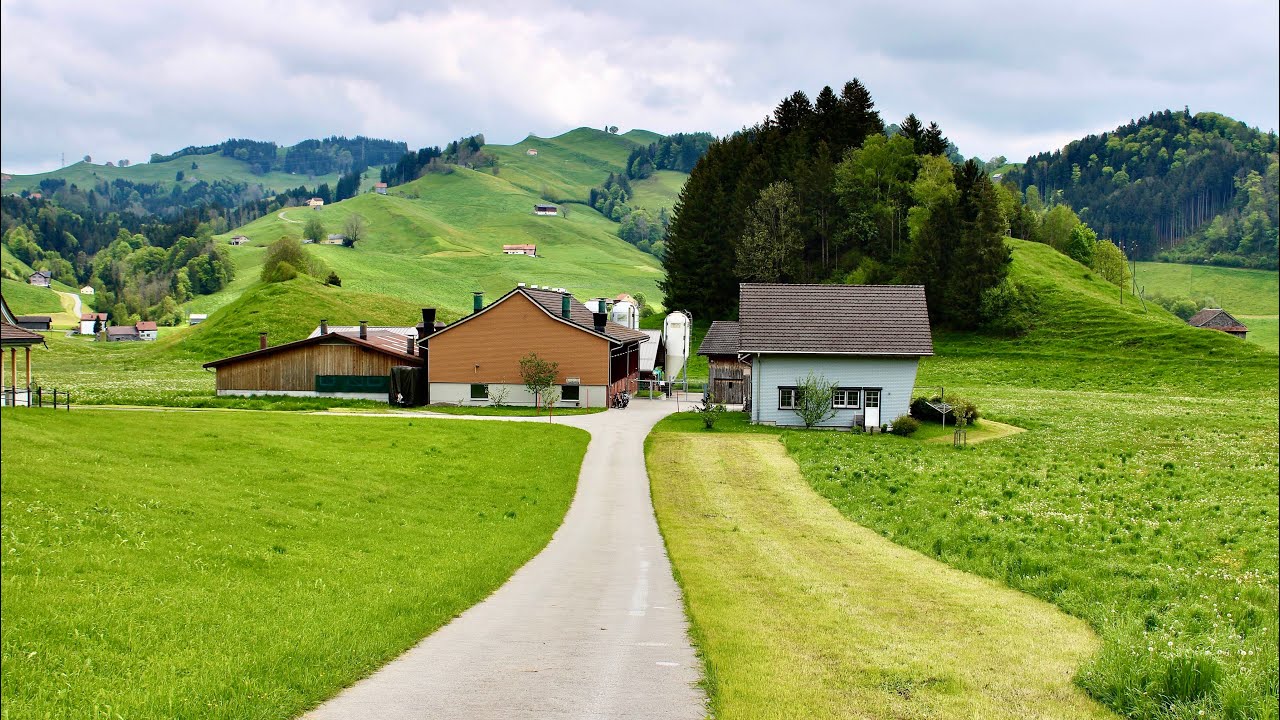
(250, 565)
(798, 612)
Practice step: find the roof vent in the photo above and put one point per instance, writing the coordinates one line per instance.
(519, 284)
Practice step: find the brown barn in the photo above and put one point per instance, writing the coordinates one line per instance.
(1218, 319)
(328, 365)
(478, 357)
(728, 377)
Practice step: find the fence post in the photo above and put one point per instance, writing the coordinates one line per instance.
(39, 396)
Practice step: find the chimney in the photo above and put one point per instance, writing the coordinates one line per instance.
(324, 327)
(477, 302)
(565, 301)
(408, 345)
(428, 324)
(599, 318)
(364, 329)
(262, 341)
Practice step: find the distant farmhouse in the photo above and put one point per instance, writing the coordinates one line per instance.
(335, 239)
(316, 203)
(196, 318)
(89, 320)
(122, 333)
(40, 278)
(530, 250)
(1218, 319)
(239, 240)
(147, 330)
(380, 188)
(531, 152)
(86, 290)
(545, 210)
(867, 339)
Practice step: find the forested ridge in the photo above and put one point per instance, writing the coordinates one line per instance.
(336, 154)
(1171, 186)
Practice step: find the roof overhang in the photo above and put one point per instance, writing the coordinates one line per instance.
(536, 304)
(317, 340)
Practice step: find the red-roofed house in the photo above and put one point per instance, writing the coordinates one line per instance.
(530, 250)
(147, 330)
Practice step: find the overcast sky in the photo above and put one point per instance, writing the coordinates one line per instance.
(124, 80)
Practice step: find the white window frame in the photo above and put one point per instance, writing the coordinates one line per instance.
(795, 395)
(844, 404)
(879, 396)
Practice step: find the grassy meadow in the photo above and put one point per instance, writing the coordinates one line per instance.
(1251, 296)
(1142, 498)
(213, 166)
(250, 565)
(800, 613)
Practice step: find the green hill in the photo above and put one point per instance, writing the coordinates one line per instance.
(1247, 292)
(211, 167)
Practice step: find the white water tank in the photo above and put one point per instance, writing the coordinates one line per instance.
(625, 313)
(675, 334)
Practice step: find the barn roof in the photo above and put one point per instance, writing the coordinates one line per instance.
(381, 342)
(34, 318)
(1218, 319)
(651, 351)
(14, 335)
(144, 325)
(122, 330)
(834, 319)
(721, 339)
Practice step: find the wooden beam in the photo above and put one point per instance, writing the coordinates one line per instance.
(13, 367)
(28, 349)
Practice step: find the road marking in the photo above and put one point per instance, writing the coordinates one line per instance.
(664, 663)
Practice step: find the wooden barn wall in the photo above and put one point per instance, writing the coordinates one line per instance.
(297, 369)
(496, 340)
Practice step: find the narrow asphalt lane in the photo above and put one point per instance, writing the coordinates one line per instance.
(592, 627)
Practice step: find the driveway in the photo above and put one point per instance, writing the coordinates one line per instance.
(592, 627)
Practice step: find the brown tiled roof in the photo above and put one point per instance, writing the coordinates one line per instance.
(721, 339)
(834, 319)
(1218, 319)
(14, 335)
(122, 330)
(146, 325)
(384, 342)
(580, 314)
(93, 316)
(34, 318)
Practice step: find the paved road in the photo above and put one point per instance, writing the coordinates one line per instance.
(593, 627)
(76, 307)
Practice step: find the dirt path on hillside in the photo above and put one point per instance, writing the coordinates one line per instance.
(593, 627)
(283, 217)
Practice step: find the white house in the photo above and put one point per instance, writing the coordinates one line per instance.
(86, 290)
(865, 339)
(147, 330)
(87, 321)
(316, 203)
(196, 318)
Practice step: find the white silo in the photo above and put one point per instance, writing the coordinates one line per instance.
(625, 313)
(675, 334)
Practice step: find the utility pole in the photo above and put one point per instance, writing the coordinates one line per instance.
(63, 160)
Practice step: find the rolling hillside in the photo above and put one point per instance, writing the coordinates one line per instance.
(213, 166)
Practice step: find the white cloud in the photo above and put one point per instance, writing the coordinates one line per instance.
(126, 80)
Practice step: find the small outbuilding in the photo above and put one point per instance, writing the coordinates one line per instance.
(122, 333)
(239, 240)
(380, 188)
(196, 318)
(530, 250)
(330, 365)
(728, 373)
(545, 210)
(1218, 319)
(38, 323)
(86, 290)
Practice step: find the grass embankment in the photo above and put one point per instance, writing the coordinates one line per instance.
(509, 410)
(800, 613)
(26, 299)
(249, 565)
(1251, 296)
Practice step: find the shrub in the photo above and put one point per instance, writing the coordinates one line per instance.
(813, 399)
(281, 272)
(333, 279)
(905, 425)
(960, 407)
(710, 411)
(1009, 308)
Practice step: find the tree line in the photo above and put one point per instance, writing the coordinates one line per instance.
(466, 152)
(679, 152)
(1172, 185)
(335, 154)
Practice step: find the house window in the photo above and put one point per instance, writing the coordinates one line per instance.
(787, 397)
(479, 391)
(846, 398)
(570, 392)
(873, 398)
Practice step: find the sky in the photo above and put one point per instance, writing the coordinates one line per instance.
(124, 80)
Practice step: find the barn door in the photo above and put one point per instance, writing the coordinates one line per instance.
(728, 392)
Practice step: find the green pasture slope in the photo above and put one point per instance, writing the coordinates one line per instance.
(214, 166)
(1252, 296)
(251, 565)
(26, 299)
(1142, 498)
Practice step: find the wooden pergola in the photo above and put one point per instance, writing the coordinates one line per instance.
(13, 337)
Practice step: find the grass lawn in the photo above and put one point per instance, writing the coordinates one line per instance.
(250, 565)
(798, 612)
(25, 299)
(981, 431)
(1239, 291)
(1263, 330)
(508, 410)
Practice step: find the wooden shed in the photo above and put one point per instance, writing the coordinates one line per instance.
(329, 365)
(728, 376)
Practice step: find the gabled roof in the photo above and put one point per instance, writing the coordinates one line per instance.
(34, 318)
(42, 273)
(93, 316)
(14, 335)
(122, 330)
(834, 319)
(144, 325)
(354, 331)
(721, 339)
(381, 343)
(650, 351)
(1218, 319)
(549, 302)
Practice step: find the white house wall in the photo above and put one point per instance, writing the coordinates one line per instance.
(460, 394)
(896, 378)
